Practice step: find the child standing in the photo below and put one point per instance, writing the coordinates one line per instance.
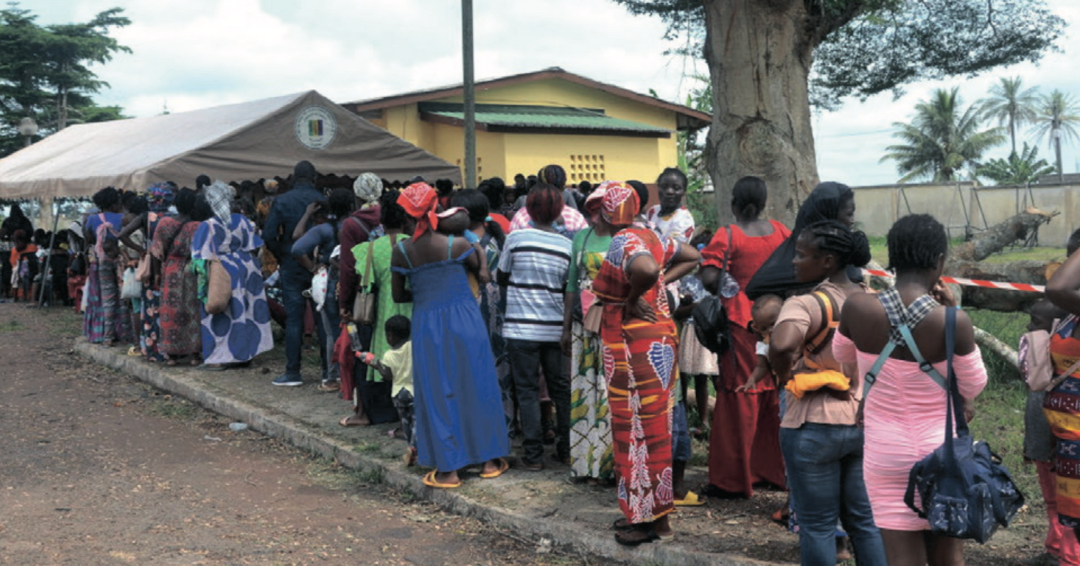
(396, 367)
(1039, 445)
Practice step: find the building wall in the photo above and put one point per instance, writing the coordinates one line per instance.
(599, 158)
(878, 207)
(595, 158)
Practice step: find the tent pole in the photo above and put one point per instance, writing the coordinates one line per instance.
(470, 93)
(44, 269)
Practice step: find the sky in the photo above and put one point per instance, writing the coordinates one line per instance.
(195, 54)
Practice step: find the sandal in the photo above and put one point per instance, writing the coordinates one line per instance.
(691, 500)
(430, 481)
(503, 466)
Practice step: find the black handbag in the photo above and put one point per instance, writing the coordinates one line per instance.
(711, 325)
(964, 490)
(710, 316)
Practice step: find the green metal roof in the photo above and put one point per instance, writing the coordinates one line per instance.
(500, 117)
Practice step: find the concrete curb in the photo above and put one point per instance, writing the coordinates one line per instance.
(566, 535)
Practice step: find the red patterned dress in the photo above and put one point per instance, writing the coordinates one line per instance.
(640, 365)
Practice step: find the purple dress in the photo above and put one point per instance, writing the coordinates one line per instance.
(242, 331)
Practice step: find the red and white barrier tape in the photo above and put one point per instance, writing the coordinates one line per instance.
(973, 282)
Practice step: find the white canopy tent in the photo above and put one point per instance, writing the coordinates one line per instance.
(247, 141)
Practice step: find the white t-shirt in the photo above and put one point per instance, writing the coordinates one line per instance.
(537, 262)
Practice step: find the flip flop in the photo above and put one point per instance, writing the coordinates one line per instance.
(430, 481)
(503, 466)
(691, 500)
(346, 422)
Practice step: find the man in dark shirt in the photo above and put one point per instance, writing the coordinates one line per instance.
(285, 214)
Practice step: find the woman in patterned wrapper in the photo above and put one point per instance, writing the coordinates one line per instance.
(640, 352)
(242, 331)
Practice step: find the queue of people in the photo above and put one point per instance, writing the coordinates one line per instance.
(543, 314)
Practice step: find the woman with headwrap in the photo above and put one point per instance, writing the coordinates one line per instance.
(459, 419)
(242, 331)
(363, 225)
(177, 313)
(640, 350)
(159, 199)
(828, 201)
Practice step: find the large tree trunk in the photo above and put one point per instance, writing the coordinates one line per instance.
(759, 54)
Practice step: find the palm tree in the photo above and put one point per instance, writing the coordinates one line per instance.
(1017, 169)
(941, 140)
(1058, 117)
(1010, 104)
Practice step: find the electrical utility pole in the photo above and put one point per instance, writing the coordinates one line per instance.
(470, 93)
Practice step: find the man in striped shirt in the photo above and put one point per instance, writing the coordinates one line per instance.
(533, 269)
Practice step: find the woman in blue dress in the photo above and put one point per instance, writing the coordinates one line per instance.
(242, 331)
(459, 418)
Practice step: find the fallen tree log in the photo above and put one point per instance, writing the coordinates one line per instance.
(987, 341)
(1000, 235)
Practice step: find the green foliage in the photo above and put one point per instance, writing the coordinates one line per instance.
(864, 47)
(45, 71)
(1010, 105)
(1017, 169)
(692, 159)
(942, 139)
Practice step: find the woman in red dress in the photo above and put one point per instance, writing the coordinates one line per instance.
(744, 447)
(640, 350)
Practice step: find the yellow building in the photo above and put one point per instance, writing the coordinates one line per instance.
(596, 131)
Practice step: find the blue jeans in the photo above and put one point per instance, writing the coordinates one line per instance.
(294, 279)
(680, 433)
(824, 464)
(527, 357)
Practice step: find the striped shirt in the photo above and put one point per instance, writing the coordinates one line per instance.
(538, 263)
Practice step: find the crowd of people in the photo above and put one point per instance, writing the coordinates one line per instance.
(541, 314)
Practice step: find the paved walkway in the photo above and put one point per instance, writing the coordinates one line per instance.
(535, 505)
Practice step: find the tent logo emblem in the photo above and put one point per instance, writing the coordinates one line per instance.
(315, 127)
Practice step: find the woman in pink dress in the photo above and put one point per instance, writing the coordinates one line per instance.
(904, 413)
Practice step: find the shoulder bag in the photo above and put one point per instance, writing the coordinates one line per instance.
(364, 304)
(219, 287)
(710, 316)
(964, 490)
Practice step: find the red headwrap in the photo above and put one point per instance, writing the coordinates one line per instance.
(620, 203)
(419, 201)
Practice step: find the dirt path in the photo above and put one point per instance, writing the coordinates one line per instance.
(99, 468)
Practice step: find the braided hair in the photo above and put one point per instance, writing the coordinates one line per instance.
(834, 237)
(915, 242)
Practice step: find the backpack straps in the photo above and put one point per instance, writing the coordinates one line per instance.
(830, 321)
